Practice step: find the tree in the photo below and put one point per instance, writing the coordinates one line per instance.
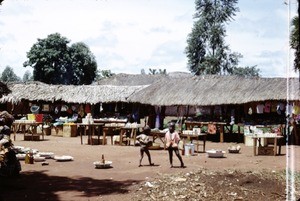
(54, 62)
(157, 71)
(104, 74)
(246, 71)
(206, 50)
(294, 38)
(84, 65)
(8, 75)
(27, 76)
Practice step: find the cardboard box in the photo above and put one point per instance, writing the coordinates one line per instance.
(69, 130)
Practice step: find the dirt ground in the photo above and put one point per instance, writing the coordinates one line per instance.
(234, 177)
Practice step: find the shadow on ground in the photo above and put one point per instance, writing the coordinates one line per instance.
(39, 186)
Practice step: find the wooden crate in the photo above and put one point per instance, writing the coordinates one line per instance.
(266, 151)
(30, 137)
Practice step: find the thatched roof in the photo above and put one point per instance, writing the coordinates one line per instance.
(169, 90)
(37, 91)
(130, 79)
(94, 94)
(216, 90)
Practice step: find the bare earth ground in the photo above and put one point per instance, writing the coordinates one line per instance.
(235, 177)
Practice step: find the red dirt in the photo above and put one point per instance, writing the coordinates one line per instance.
(79, 180)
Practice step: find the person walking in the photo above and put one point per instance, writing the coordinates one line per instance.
(172, 139)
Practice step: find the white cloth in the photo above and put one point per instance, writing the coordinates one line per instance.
(260, 109)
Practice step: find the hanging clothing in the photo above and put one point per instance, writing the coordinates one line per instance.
(260, 108)
(280, 108)
(81, 111)
(157, 121)
(157, 118)
(64, 108)
(87, 109)
(296, 109)
(273, 107)
(267, 108)
(250, 111)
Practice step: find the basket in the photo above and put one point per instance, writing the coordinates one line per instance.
(233, 151)
(215, 153)
(100, 165)
(47, 131)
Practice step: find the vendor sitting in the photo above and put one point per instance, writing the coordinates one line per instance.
(4, 133)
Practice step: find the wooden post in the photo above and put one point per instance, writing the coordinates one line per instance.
(222, 133)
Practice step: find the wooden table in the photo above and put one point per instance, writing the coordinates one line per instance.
(132, 130)
(275, 137)
(156, 134)
(91, 128)
(195, 137)
(220, 126)
(107, 121)
(27, 128)
(108, 130)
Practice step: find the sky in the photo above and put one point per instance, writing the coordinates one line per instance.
(126, 36)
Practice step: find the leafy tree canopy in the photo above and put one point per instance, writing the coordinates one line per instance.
(27, 76)
(54, 62)
(84, 65)
(246, 71)
(8, 75)
(153, 71)
(206, 50)
(104, 74)
(295, 32)
(294, 40)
